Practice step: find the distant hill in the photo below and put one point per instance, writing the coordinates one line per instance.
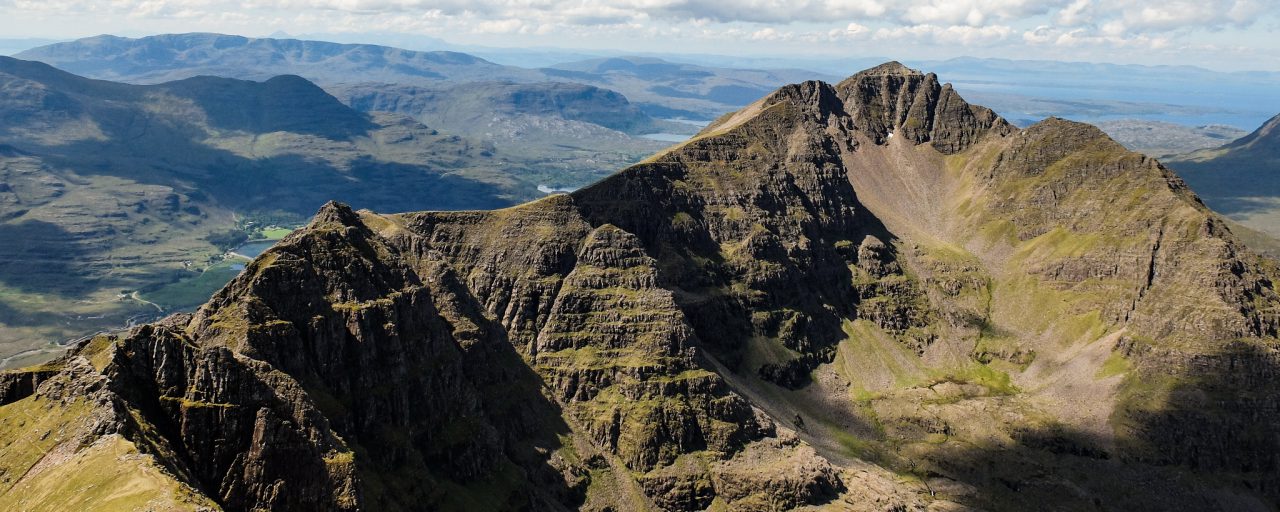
(108, 187)
(169, 57)
(1240, 179)
(1160, 139)
(659, 88)
(668, 89)
(1030, 90)
(496, 109)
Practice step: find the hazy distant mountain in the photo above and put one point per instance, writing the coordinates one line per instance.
(10, 46)
(1030, 90)
(662, 89)
(168, 57)
(547, 118)
(468, 108)
(566, 120)
(1240, 179)
(1161, 139)
(667, 89)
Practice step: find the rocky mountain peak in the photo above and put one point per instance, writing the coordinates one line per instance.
(876, 105)
(335, 212)
(891, 68)
(894, 100)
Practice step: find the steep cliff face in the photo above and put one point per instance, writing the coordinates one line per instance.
(863, 296)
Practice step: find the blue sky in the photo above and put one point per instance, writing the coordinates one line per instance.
(1218, 34)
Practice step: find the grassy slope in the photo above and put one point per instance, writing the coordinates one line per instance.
(46, 467)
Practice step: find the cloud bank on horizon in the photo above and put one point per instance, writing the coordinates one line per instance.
(1207, 32)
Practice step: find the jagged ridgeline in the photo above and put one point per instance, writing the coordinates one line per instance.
(863, 296)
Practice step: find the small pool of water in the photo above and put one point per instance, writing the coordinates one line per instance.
(666, 137)
(551, 190)
(253, 249)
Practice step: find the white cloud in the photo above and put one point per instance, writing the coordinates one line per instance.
(1040, 35)
(759, 11)
(1147, 15)
(507, 26)
(1078, 12)
(954, 34)
(974, 12)
(880, 26)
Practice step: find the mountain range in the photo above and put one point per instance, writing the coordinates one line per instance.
(659, 88)
(865, 295)
(577, 120)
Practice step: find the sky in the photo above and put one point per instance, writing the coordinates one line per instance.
(1217, 34)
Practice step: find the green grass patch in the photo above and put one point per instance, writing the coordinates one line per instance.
(1026, 303)
(195, 404)
(275, 232)
(682, 221)
(874, 361)
(196, 290)
(1088, 326)
(997, 382)
(1114, 365)
(999, 231)
(1058, 243)
(855, 446)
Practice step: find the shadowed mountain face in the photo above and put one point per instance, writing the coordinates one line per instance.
(282, 104)
(869, 295)
(1240, 179)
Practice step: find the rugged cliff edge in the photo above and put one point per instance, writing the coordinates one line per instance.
(863, 296)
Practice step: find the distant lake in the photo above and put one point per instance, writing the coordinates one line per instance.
(666, 137)
(677, 137)
(694, 122)
(551, 190)
(253, 249)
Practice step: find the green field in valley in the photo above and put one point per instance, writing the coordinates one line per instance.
(195, 290)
